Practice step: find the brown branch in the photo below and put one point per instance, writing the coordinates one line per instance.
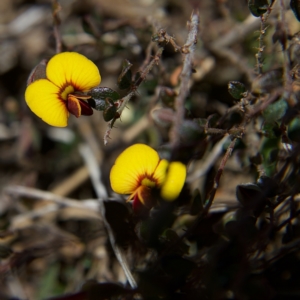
(56, 22)
(261, 107)
(237, 33)
(286, 60)
(22, 191)
(189, 50)
(236, 59)
(218, 176)
(261, 47)
(209, 161)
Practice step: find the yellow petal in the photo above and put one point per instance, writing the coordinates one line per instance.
(73, 68)
(131, 166)
(174, 181)
(161, 171)
(42, 98)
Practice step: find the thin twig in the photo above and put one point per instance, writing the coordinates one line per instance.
(218, 176)
(237, 33)
(34, 214)
(189, 50)
(286, 61)
(260, 50)
(262, 106)
(235, 59)
(101, 192)
(288, 220)
(56, 22)
(22, 191)
(124, 101)
(209, 160)
(148, 56)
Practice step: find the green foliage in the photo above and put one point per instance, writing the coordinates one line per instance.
(275, 111)
(295, 6)
(49, 284)
(271, 130)
(294, 130)
(258, 7)
(236, 89)
(109, 112)
(269, 151)
(101, 94)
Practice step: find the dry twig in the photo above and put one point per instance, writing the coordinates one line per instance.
(22, 191)
(100, 190)
(218, 176)
(188, 49)
(56, 22)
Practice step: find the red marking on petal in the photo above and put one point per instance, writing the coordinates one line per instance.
(145, 196)
(138, 208)
(73, 106)
(86, 109)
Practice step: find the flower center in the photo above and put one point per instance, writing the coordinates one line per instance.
(75, 102)
(148, 182)
(67, 90)
(143, 195)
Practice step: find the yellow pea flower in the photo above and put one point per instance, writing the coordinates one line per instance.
(69, 76)
(138, 170)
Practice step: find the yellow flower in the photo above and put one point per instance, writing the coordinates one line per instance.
(138, 170)
(69, 76)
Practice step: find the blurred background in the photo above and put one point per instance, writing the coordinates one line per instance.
(49, 244)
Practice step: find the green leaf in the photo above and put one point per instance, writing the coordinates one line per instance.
(271, 130)
(102, 93)
(269, 151)
(97, 104)
(258, 7)
(49, 284)
(109, 113)
(101, 97)
(125, 78)
(236, 89)
(294, 130)
(275, 111)
(295, 6)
